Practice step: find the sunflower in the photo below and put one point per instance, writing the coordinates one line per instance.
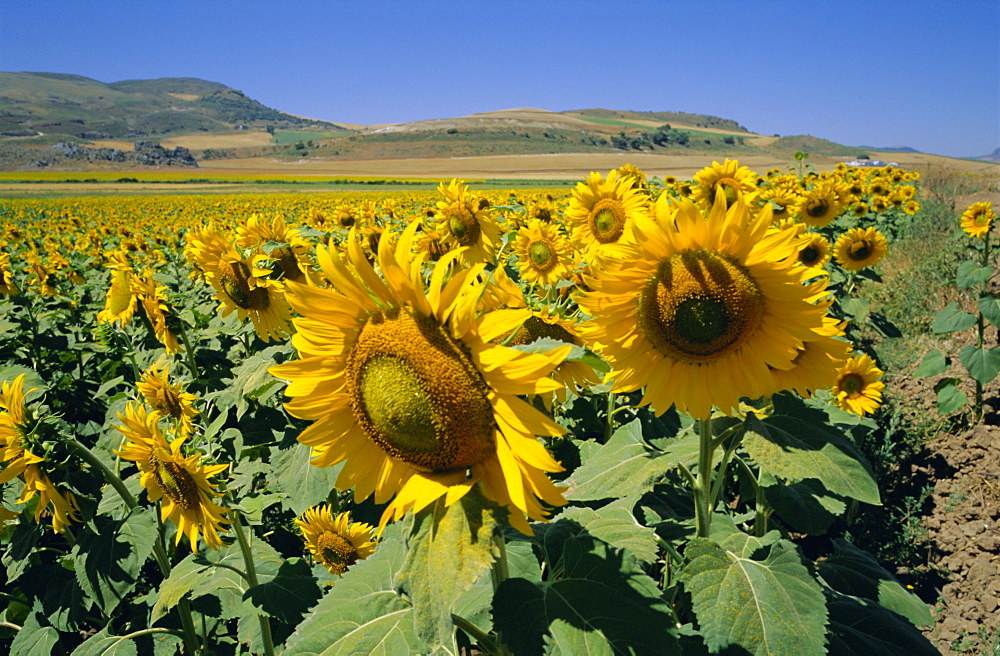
(733, 180)
(571, 375)
(335, 541)
(403, 384)
(705, 310)
(463, 222)
(543, 254)
(153, 298)
(120, 302)
(815, 251)
(977, 220)
(859, 248)
(815, 364)
(603, 214)
(820, 205)
(64, 506)
(783, 200)
(857, 388)
(20, 461)
(287, 260)
(168, 400)
(859, 209)
(259, 299)
(180, 483)
(911, 207)
(878, 204)
(7, 285)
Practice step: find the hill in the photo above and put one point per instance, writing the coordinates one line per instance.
(59, 107)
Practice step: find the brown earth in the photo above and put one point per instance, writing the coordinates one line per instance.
(960, 463)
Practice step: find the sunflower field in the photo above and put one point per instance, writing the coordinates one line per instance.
(618, 418)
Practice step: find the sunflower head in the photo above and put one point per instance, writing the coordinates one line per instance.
(734, 181)
(815, 251)
(333, 540)
(706, 309)
(858, 387)
(977, 220)
(543, 254)
(603, 213)
(401, 382)
(859, 248)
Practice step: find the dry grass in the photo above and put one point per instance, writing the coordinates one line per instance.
(243, 139)
(562, 166)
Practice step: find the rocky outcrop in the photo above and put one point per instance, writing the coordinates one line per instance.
(146, 153)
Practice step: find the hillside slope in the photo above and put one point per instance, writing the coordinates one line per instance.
(33, 104)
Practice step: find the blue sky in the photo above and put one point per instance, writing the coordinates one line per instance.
(918, 73)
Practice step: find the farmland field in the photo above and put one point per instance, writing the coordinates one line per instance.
(673, 406)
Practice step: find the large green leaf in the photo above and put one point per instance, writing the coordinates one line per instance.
(989, 307)
(108, 561)
(859, 627)
(949, 398)
(951, 319)
(625, 466)
(933, 364)
(104, 644)
(34, 639)
(793, 450)
(617, 527)
(569, 640)
(304, 483)
(362, 613)
(770, 608)
(982, 364)
(594, 588)
(288, 594)
(448, 550)
(970, 274)
(806, 506)
(855, 572)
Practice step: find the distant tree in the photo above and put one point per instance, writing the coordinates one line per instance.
(270, 130)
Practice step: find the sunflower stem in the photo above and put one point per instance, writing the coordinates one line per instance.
(189, 358)
(483, 640)
(703, 484)
(609, 426)
(501, 571)
(159, 553)
(251, 575)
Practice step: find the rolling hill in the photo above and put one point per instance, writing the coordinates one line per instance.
(59, 106)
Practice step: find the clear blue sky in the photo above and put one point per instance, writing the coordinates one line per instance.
(918, 73)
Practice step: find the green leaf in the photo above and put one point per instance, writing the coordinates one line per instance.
(950, 399)
(855, 572)
(305, 484)
(104, 644)
(34, 639)
(569, 640)
(982, 364)
(594, 588)
(805, 506)
(794, 450)
(617, 527)
(951, 319)
(625, 466)
(288, 594)
(989, 307)
(859, 627)
(448, 550)
(768, 608)
(970, 275)
(933, 364)
(108, 562)
(362, 613)
(856, 308)
(184, 576)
